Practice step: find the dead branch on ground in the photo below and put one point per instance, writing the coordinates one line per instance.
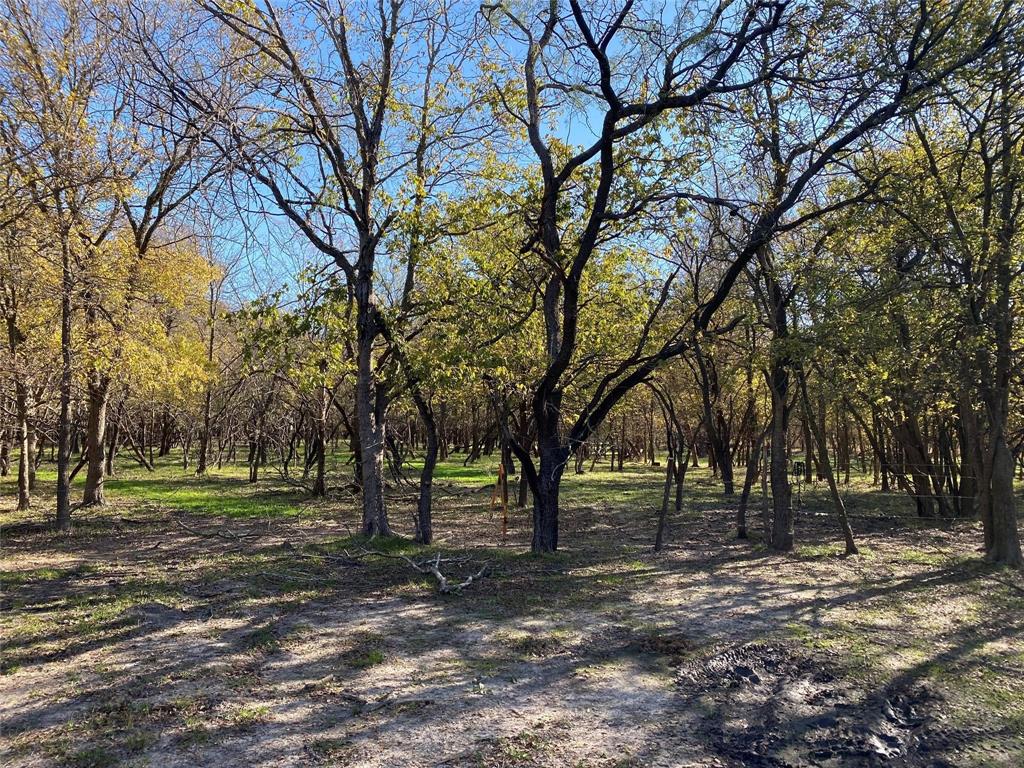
(432, 567)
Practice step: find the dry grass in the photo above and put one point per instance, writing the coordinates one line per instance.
(248, 639)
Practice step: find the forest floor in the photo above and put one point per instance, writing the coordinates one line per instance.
(213, 623)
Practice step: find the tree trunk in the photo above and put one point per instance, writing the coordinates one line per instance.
(553, 457)
(24, 461)
(186, 451)
(748, 483)
(622, 442)
(369, 404)
(680, 478)
(166, 433)
(254, 459)
(357, 454)
(204, 436)
(723, 460)
(95, 438)
(320, 458)
(778, 384)
(66, 373)
(766, 515)
(1005, 546)
(670, 474)
(26, 457)
(651, 448)
(1004, 542)
(424, 521)
(782, 504)
(203, 457)
(824, 465)
(808, 453)
(113, 439)
(320, 443)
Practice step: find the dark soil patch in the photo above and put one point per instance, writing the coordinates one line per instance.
(776, 706)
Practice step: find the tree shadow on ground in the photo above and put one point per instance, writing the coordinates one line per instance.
(260, 647)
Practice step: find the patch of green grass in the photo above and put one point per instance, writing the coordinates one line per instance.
(623, 762)
(636, 486)
(921, 557)
(119, 715)
(262, 640)
(137, 741)
(530, 644)
(10, 579)
(115, 730)
(249, 714)
(389, 545)
(501, 553)
(529, 747)
(367, 650)
(222, 491)
(560, 557)
(86, 618)
(371, 658)
(196, 734)
(636, 565)
(479, 473)
(994, 683)
(818, 550)
(211, 496)
(859, 653)
(92, 757)
(484, 666)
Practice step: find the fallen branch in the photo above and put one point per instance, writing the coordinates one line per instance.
(363, 706)
(433, 568)
(320, 556)
(280, 576)
(219, 533)
(387, 701)
(443, 585)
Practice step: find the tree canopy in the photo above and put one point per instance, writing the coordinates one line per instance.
(783, 236)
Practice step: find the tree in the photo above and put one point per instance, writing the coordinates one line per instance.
(982, 249)
(321, 119)
(55, 131)
(28, 283)
(689, 73)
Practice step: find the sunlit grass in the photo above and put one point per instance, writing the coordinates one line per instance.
(226, 490)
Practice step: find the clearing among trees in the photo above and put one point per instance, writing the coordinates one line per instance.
(258, 632)
(513, 383)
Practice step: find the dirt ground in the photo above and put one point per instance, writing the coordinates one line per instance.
(154, 637)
